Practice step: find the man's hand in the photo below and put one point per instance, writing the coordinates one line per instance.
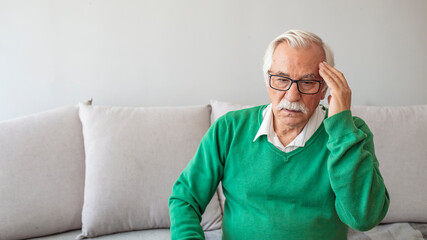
(340, 98)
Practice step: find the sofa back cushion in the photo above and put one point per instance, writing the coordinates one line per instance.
(41, 174)
(133, 158)
(400, 138)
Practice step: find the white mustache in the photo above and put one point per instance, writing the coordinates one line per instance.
(294, 106)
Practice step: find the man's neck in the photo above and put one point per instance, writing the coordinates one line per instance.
(287, 134)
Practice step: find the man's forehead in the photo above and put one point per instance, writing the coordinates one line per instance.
(296, 62)
(291, 63)
(285, 74)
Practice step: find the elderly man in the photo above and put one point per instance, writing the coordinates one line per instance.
(291, 169)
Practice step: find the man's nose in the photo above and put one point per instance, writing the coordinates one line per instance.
(293, 95)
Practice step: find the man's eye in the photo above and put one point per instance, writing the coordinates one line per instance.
(308, 83)
(283, 79)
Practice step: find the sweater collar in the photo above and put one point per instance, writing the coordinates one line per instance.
(267, 129)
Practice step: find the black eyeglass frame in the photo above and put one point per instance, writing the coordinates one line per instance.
(294, 81)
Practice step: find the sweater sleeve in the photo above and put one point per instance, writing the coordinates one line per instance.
(362, 199)
(197, 184)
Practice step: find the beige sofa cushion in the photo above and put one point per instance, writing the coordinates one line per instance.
(133, 158)
(400, 138)
(41, 174)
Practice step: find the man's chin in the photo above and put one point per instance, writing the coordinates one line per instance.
(292, 121)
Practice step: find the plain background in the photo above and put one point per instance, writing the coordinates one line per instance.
(186, 52)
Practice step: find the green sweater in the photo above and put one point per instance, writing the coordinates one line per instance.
(313, 192)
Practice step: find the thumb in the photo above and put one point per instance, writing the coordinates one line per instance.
(329, 99)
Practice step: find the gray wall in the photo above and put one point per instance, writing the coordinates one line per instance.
(185, 52)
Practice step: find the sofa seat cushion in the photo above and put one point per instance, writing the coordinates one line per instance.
(381, 232)
(150, 234)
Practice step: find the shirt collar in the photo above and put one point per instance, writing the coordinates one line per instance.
(266, 124)
(267, 128)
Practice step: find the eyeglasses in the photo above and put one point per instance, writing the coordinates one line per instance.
(282, 83)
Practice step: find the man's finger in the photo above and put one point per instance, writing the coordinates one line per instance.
(328, 70)
(328, 77)
(338, 80)
(338, 74)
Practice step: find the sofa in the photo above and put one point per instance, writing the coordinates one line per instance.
(87, 171)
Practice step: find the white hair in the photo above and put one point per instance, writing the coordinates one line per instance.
(296, 39)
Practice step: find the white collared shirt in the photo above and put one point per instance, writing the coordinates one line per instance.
(267, 128)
